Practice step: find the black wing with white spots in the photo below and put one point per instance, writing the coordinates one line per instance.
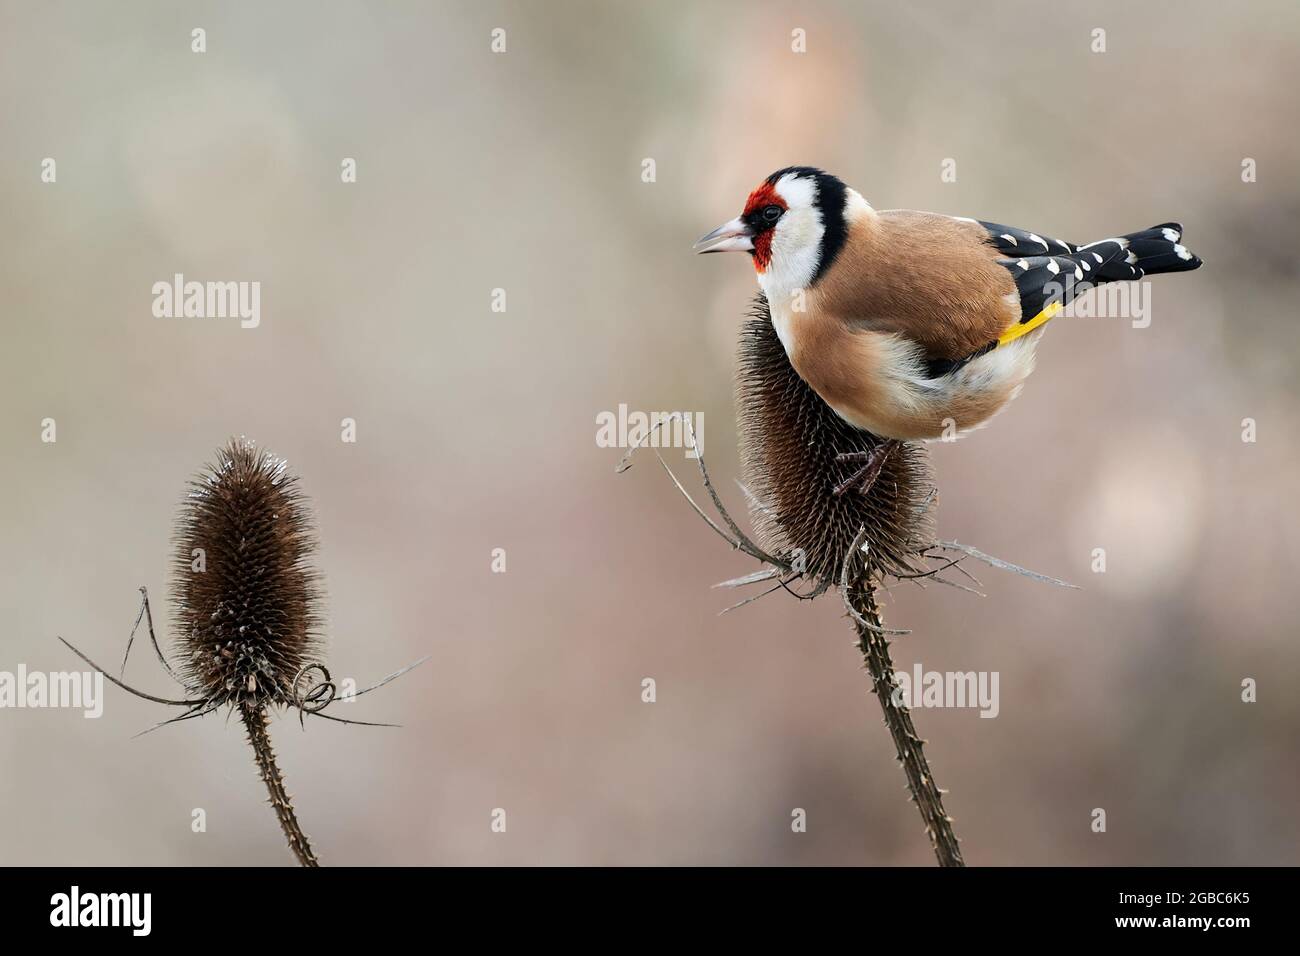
(1017, 242)
(1042, 280)
(1052, 270)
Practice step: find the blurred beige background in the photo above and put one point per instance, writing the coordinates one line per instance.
(476, 429)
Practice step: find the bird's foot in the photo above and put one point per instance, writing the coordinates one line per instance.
(872, 462)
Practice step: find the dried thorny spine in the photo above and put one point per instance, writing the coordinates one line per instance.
(809, 535)
(246, 610)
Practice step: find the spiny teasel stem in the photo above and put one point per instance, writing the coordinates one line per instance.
(255, 721)
(874, 645)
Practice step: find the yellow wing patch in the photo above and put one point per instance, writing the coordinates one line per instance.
(1023, 328)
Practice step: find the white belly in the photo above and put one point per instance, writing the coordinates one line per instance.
(906, 405)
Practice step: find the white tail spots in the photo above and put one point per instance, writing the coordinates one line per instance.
(1173, 235)
(1181, 250)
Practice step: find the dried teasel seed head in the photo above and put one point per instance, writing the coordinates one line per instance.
(789, 439)
(245, 598)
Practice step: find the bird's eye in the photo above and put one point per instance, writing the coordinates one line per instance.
(771, 213)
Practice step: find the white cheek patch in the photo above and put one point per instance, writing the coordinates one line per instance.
(798, 192)
(796, 239)
(796, 246)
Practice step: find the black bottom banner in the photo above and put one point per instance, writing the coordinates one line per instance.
(334, 906)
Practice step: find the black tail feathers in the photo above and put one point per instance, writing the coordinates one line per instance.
(1160, 249)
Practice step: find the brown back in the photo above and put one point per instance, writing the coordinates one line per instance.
(929, 277)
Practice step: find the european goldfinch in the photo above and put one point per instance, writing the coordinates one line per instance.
(914, 325)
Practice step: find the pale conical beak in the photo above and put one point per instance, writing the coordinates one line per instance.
(734, 236)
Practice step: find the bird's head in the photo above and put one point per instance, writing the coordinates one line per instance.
(793, 226)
